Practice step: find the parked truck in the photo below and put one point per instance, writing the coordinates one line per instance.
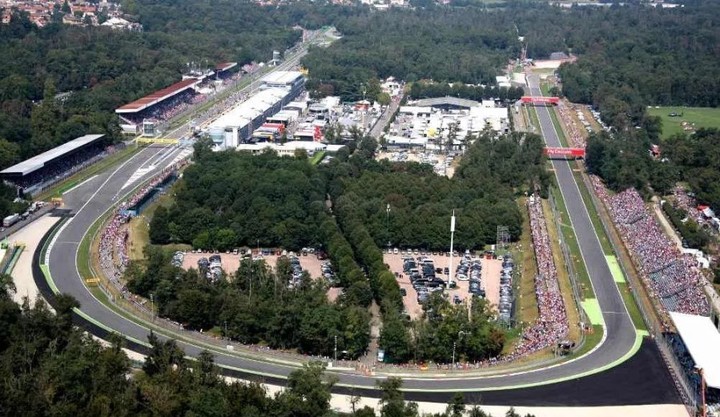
(11, 220)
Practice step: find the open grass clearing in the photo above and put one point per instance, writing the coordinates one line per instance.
(139, 227)
(571, 307)
(533, 118)
(699, 116)
(527, 310)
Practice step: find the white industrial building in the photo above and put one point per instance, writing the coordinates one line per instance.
(426, 124)
(278, 89)
(289, 148)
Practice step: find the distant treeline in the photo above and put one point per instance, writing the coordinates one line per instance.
(421, 90)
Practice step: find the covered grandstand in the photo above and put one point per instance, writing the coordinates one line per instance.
(697, 345)
(170, 101)
(43, 170)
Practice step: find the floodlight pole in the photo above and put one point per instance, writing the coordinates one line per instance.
(387, 223)
(452, 237)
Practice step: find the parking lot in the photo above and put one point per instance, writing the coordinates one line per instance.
(442, 164)
(230, 262)
(486, 277)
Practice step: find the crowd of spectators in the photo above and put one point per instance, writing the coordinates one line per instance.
(113, 248)
(169, 108)
(551, 325)
(686, 202)
(672, 277)
(574, 132)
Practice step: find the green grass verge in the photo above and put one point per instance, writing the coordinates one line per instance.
(84, 250)
(533, 117)
(545, 88)
(317, 157)
(572, 245)
(558, 127)
(631, 304)
(591, 340)
(701, 116)
(58, 189)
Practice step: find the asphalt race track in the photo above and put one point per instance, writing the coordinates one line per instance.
(640, 380)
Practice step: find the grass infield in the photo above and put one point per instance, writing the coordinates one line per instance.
(701, 116)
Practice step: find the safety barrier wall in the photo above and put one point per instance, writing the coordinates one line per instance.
(569, 267)
(684, 386)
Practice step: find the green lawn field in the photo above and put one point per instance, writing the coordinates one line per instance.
(701, 116)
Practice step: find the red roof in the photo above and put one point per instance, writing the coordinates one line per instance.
(158, 96)
(224, 66)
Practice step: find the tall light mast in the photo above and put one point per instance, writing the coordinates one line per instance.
(452, 236)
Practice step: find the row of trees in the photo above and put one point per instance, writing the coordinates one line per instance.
(51, 367)
(254, 305)
(490, 175)
(421, 90)
(361, 188)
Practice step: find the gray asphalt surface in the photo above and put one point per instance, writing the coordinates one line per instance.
(102, 192)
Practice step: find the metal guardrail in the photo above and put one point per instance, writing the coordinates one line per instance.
(635, 284)
(570, 268)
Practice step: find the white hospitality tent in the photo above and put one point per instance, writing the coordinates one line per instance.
(702, 340)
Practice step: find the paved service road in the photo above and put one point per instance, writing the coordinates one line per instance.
(104, 191)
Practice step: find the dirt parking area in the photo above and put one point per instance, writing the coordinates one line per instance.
(231, 263)
(490, 280)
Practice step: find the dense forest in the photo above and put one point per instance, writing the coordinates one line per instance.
(490, 175)
(232, 199)
(633, 57)
(52, 368)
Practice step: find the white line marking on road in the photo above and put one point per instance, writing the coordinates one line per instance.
(81, 184)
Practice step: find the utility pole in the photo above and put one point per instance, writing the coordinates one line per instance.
(460, 334)
(452, 237)
(335, 350)
(387, 223)
(152, 306)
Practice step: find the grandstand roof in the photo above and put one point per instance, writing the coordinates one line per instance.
(702, 340)
(224, 66)
(281, 77)
(158, 96)
(242, 114)
(446, 101)
(39, 161)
